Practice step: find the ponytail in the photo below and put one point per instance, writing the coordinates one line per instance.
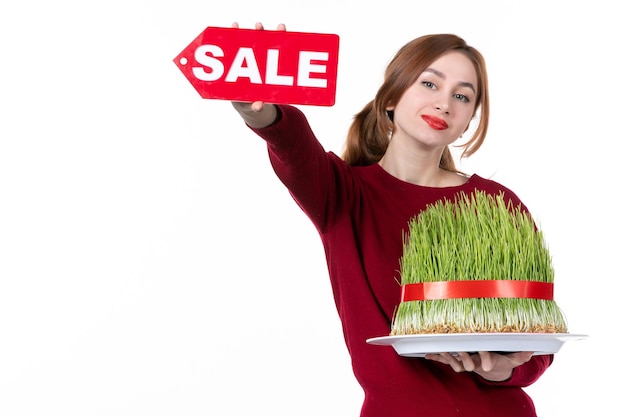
(368, 137)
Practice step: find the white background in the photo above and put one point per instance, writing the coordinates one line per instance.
(152, 265)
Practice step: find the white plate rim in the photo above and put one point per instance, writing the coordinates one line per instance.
(418, 345)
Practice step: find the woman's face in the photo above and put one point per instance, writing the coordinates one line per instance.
(438, 107)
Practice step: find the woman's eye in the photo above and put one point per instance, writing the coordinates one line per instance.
(462, 98)
(428, 84)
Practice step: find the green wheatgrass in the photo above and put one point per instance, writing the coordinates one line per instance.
(477, 237)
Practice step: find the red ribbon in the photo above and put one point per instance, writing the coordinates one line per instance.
(441, 290)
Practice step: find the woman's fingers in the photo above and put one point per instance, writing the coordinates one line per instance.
(255, 106)
(259, 26)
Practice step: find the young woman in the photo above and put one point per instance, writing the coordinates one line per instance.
(396, 162)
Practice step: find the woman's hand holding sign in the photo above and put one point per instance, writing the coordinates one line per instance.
(256, 114)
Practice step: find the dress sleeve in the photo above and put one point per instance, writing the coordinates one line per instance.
(303, 166)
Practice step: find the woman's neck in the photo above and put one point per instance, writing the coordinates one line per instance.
(419, 168)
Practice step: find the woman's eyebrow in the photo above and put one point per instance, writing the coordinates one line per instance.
(443, 76)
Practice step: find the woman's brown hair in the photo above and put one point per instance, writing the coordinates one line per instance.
(369, 133)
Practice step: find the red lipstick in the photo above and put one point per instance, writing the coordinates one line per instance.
(435, 122)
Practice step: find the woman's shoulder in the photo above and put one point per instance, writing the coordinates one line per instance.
(490, 186)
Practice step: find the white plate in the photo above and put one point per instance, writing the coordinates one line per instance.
(421, 344)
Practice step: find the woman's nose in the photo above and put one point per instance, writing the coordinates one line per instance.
(443, 107)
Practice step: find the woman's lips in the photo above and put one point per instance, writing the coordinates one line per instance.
(435, 122)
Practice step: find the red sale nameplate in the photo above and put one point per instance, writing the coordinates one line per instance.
(261, 65)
